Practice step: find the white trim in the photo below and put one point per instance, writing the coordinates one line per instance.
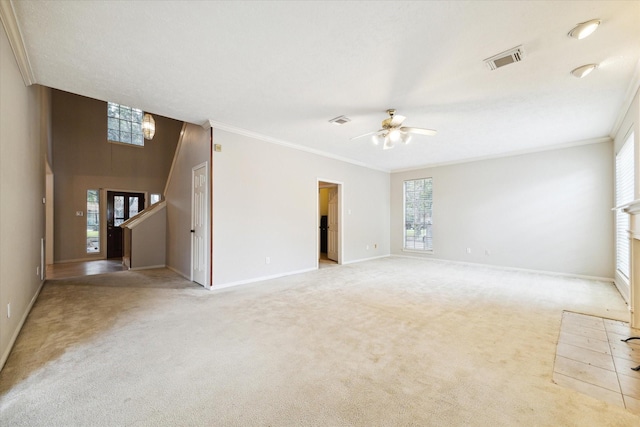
(262, 278)
(418, 251)
(340, 186)
(500, 267)
(14, 337)
(12, 27)
(623, 287)
(265, 138)
(509, 154)
(178, 272)
(207, 231)
(632, 208)
(366, 259)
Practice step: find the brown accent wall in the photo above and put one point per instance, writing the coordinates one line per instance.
(83, 159)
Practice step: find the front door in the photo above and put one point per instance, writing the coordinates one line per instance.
(120, 207)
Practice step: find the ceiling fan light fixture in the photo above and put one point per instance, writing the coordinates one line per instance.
(583, 71)
(393, 132)
(395, 136)
(584, 29)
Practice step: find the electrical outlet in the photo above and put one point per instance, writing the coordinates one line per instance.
(487, 252)
(468, 250)
(8, 310)
(375, 246)
(367, 247)
(38, 271)
(267, 260)
(79, 213)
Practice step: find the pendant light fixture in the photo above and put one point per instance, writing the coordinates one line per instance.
(148, 126)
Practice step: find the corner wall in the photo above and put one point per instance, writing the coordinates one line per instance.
(266, 205)
(22, 188)
(193, 149)
(548, 211)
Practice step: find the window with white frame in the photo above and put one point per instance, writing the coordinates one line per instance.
(624, 194)
(93, 221)
(124, 124)
(418, 207)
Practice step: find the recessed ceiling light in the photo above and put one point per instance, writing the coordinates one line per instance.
(340, 120)
(584, 29)
(584, 70)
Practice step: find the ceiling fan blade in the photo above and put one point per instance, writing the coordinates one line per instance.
(419, 131)
(396, 120)
(367, 134)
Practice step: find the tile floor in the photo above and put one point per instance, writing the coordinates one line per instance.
(83, 268)
(592, 359)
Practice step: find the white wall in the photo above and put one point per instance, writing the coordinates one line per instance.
(22, 215)
(266, 205)
(193, 149)
(548, 211)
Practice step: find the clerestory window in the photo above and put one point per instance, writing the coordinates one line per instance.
(124, 124)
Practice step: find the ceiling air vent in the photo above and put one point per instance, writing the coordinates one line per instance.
(340, 120)
(505, 58)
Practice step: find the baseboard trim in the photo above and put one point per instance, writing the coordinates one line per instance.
(260, 279)
(366, 259)
(623, 288)
(177, 272)
(14, 337)
(500, 267)
(150, 267)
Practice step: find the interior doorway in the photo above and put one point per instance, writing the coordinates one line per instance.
(200, 248)
(120, 207)
(329, 223)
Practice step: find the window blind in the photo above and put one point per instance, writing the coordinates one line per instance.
(624, 194)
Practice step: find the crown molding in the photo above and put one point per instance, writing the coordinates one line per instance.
(11, 26)
(255, 135)
(509, 154)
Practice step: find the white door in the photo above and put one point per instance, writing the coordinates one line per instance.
(333, 225)
(200, 226)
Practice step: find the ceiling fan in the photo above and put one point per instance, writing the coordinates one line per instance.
(393, 132)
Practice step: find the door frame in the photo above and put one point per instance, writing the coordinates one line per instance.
(207, 223)
(340, 186)
(103, 214)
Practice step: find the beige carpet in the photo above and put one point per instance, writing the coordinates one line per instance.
(391, 342)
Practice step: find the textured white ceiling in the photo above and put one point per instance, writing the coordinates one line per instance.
(283, 69)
